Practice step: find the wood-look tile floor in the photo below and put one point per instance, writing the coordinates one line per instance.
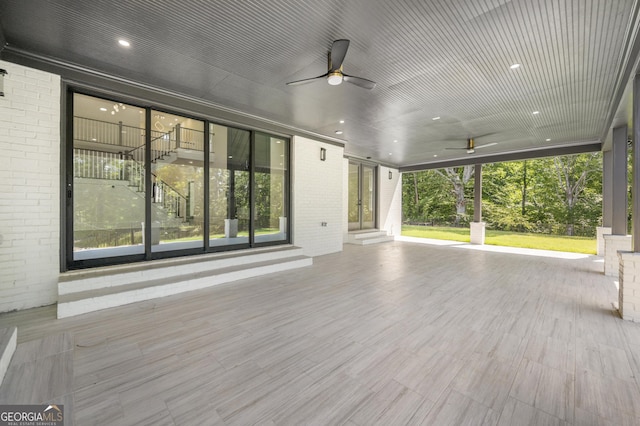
(396, 333)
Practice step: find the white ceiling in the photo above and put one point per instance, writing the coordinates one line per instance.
(448, 59)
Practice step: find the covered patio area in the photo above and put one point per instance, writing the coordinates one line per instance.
(395, 333)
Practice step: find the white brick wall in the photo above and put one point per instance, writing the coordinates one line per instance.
(317, 197)
(613, 244)
(629, 293)
(29, 188)
(390, 193)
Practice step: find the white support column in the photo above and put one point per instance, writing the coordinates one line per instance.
(629, 261)
(477, 227)
(607, 201)
(618, 240)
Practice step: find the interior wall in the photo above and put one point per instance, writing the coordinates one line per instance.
(30, 189)
(317, 196)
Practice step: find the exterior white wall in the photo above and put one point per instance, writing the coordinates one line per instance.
(390, 201)
(345, 198)
(30, 192)
(317, 197)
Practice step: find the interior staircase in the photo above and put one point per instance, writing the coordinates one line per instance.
(94, 289)
(369, 236)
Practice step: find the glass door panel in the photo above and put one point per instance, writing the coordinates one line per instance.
(177, 179)
(367, 191)
(270, 188)
(362, 197)
(108, 178)
(354, 196)
(229, 198)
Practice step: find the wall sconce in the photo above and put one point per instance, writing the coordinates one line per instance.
(390, 175)
(2, 74)
(323, 154)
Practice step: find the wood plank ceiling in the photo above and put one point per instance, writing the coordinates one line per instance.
(440, 58)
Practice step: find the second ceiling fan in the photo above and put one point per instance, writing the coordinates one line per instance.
(334, 75)
(471, 146)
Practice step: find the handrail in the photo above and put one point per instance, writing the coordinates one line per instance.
(124, 167)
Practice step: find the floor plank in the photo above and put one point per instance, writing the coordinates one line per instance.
(398, 333)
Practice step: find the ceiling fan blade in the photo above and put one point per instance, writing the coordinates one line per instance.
(359, 81)
(306, 80)
(486, 145)
(338, 52)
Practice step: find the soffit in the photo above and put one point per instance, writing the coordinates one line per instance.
(447, 59)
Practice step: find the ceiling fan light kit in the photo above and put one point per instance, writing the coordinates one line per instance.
(334, 78)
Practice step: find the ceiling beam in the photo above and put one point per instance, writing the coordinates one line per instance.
(508, 156)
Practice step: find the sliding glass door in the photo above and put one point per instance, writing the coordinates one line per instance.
(201, 186)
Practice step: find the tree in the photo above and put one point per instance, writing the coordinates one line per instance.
(574, 173)
(458, 177)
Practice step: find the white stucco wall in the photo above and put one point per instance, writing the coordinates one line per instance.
(317, 197)
(30, 192)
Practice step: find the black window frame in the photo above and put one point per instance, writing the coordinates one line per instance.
(67, 194)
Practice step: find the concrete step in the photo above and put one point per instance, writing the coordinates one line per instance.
(368, 237)
(81, 292)
(8, 343)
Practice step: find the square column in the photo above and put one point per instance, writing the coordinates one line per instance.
(601, 231)
(612, 245)
(629, 292)
(477, 232)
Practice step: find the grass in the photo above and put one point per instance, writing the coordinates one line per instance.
(505, 238)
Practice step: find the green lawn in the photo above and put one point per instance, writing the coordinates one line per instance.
(504, 238)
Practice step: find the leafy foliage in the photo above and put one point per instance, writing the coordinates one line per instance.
(558, 195)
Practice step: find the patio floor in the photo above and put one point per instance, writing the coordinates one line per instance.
(395, 333)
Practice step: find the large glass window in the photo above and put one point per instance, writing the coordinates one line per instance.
(225, 191)
(177, 178)
(229, 179)
(108, 178)
(270, 182)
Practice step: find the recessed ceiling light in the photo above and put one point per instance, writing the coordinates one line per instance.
(435, 118)
(124, 43)
(395, 141)
(341, 121)
(94, 139)
(435, 155)
(536, 112)
(514, 66)
(338, 132)
(390, 153)
(548, 140)
(103, 109)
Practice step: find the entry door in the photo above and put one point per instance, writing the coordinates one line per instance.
(362, 196)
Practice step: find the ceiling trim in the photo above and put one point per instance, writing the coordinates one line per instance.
(629, 62)
(369, 160)
(508, 156)
(77, 75)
